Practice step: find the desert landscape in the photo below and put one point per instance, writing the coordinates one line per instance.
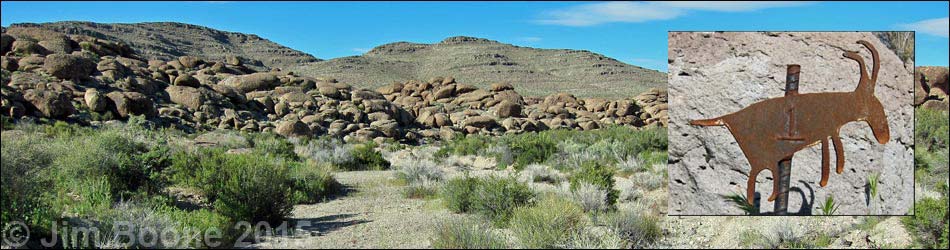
(464, 143)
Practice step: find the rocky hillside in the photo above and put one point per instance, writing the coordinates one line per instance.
(736, 70)
(88, 80)
(167, 40)
(481, 62)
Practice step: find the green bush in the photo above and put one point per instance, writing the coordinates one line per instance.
(275, 145)
(531, 148)
(243, 187)
(457, 193)
(254, 189)
(202, 221)
(638, 230)
(598, 175)
(22, 166)
(466, 234)
(929, 223)
(932, 129)
(365, 157)
(312, 183)
(548, 223)
(497, 197)
(463, 145)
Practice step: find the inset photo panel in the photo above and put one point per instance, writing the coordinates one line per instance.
(791, 123)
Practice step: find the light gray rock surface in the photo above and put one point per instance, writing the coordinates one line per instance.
(713, 74)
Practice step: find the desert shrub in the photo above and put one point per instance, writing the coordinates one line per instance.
(548, 223)
(204, 221)
(255, 189)
(929, 223)
(312, 182)
(630, 193)
(494, 197)
(243, 187)
(463, 145)
(201, 169)
(466, 234)
(637, 229)
(648, 180)
(932, 129)
(631, 164)
(502, 154)
(421, 190)
(497, 197)
(146, 224)
(422, 177)
(540, 173)
(590, 197)
(598, 175)
(530, 148)
(418, 171)
(22, 165)
(271, 144)
(902, 43)
(457, 193)
(589, 239)
(365, 157)
(327, 150)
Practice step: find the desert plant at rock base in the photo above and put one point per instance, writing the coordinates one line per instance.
(828, 207)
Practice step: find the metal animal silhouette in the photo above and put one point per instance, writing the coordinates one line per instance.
(773, 130)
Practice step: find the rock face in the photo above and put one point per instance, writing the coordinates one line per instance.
(713, 74)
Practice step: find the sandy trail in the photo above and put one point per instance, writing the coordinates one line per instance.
(372, 214)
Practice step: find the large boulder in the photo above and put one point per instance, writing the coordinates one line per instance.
(507, 109)
(68, 66)
(187, 80)
(935, 80)
(132, 103)
(188, 96)
(52, 104)
(293, 128)
(253, 82)
(6, 43)
(714, 74)
(479, 122)
(95, 100)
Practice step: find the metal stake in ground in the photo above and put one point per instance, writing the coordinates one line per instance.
(784, 172)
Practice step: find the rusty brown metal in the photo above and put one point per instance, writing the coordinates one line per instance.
(772, 130)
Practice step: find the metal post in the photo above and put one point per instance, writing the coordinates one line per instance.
(784, 173)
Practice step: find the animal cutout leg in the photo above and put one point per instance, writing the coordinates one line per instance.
(775, 183)
(750, 187)
(824, 162)
(839, 153)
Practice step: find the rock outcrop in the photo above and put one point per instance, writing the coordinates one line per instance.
(714, 74)
(99, 77)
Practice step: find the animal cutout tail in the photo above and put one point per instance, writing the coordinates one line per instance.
(707, 122)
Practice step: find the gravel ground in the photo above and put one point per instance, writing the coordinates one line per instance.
(373, 215)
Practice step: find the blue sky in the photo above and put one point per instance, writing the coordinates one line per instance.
(633, 32)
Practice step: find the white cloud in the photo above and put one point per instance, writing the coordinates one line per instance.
(361, 50)
(635, 12)
(530, 39)
(936, 27)
(732, 6)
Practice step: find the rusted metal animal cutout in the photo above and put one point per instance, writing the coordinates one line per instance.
(773, 130)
